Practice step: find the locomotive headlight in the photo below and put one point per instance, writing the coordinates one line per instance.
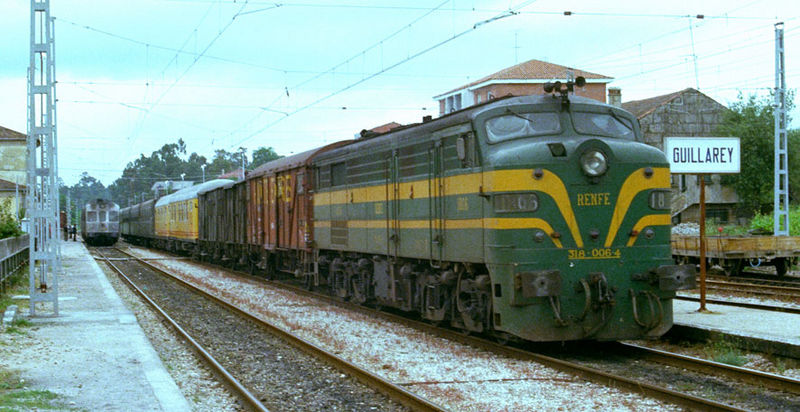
(516, 202)
(594, 163)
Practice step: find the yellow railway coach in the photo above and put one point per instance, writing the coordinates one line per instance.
(176, 217)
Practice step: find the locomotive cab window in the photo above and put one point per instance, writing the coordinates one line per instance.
(91, 216)
(514, 125)
(113, 216)
(102, 215)
(604, 124)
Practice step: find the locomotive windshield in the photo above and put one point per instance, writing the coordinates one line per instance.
(513, 125)
(603, 124)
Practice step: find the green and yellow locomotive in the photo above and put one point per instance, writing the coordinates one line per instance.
(539, 217)
(544, 218)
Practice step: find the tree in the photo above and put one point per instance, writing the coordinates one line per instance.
(263, 155)
(751, 120)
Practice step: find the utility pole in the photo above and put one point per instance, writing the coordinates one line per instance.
(69, 209)
(244, 160)
(42, 191)
(781, 187)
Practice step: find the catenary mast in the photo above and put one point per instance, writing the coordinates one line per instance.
(42, 195)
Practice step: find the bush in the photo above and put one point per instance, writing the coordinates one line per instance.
(9, 226)
(765, 222)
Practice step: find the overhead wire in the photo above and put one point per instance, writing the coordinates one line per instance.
(508, 13)
(196, 59)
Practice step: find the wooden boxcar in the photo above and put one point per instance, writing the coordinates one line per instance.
(280, 213)
(223, 224)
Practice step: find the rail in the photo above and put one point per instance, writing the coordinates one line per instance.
(233, 383)
(591, 374)
(784, 309)
(13, 256)
(393, 391)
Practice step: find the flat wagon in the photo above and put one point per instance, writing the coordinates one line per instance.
(734, 253)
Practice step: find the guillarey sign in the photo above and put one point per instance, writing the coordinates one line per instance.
(703, 154)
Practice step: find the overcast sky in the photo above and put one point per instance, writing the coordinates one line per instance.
(296, 74)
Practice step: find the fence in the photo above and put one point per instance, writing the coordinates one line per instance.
(13, 256)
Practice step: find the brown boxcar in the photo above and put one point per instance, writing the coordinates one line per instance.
(280, 213)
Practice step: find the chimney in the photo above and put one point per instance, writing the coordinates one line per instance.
(615, 96)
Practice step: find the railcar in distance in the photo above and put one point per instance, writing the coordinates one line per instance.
(100, 222)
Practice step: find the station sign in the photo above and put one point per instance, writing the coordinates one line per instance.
(703, 154)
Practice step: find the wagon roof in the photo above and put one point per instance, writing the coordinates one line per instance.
(291, 162)
(191, 192)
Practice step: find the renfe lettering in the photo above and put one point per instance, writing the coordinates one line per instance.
(702, 155)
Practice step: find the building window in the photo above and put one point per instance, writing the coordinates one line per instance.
(489, 96)
(478, 97)
(717, 215)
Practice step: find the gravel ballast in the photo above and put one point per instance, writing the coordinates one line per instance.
(453, 375)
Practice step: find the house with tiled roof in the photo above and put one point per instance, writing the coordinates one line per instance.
(13, 169)
(679, 114)
(519, 80)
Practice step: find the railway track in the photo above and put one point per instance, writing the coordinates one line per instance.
(748, 305)
(774, 291)
(230, 381)
(243, 357)
(740, 382)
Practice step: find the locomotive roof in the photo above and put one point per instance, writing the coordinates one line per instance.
(191, 192)
(293, 161)
(465, 115)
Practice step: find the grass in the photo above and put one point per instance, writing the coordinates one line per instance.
(14, 396)
(725, 352)
(16, 285)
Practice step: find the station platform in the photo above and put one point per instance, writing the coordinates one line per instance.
(754, 329)
(94, 355)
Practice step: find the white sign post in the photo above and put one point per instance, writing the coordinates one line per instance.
(703, 155)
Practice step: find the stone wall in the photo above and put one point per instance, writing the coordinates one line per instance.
(690, 114)
(13, 155)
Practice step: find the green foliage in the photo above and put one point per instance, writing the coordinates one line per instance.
(9, 226)
(712, 229)
(751, 119)
(765, 222)
(171, 161)
(263, 155)
(727, 353)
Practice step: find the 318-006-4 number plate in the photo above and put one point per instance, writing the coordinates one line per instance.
(594, 253)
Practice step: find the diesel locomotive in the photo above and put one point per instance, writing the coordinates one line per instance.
(100, 222)
(543, 218)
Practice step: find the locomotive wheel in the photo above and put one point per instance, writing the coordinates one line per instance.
(360, 285)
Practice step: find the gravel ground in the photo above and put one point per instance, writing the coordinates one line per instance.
(458, 377)
(197, 383)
